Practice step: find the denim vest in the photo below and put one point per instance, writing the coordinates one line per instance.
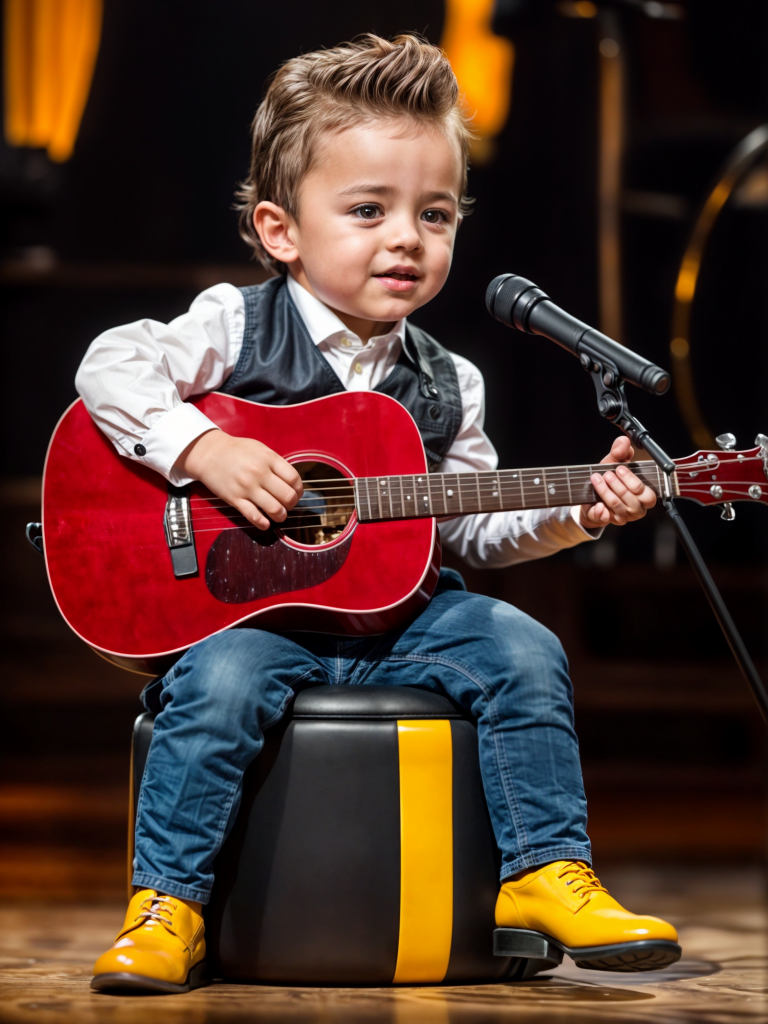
(280, 365)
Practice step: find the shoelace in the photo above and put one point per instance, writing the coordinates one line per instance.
(159, 909)
(585, 881)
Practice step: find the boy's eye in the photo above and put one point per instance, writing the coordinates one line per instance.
(435, 216)
(368, 211)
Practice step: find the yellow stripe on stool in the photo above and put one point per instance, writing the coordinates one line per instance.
(426, 850)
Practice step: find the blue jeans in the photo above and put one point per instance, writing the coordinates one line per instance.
(214, 705)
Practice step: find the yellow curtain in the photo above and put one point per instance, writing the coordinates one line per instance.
(483, 64)
(50, 49)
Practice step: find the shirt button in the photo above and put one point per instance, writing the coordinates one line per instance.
(358, 368)
(346, 342)
(140, 450)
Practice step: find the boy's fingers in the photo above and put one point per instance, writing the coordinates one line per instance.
(252, 513)
(630, 481)
(644, 493)
(619, 488)
(282, 492)
(623, 503)
(612, 501)
(621, 451)
(289, 474)
(597, 513)
(269, 504)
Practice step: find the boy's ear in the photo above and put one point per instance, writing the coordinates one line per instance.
(275, 229)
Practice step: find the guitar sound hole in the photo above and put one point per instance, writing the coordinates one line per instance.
(325, 508)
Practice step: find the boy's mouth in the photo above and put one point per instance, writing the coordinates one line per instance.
(398, 279)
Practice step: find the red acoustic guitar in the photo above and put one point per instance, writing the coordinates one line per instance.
(141, 570)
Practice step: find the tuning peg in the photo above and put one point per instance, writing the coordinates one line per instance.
(762, 441)
(728, 513)
(726, 442)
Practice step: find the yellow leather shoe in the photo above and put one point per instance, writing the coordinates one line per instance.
(562, 908)
(160, 950)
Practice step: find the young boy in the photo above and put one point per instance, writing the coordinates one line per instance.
(356, 190)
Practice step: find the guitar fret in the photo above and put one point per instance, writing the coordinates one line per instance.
(411, 486)
(498, 489)
(445, 499)
(534, 489)
(467, 500)
(477, 487)
(451, 488)
(518, 477)
(402, 499)
(368, 496)
(422, 498)
(568, 481)
(511, 490)
(381, 491)
(430, 481)
(551, 493)
(580, 489)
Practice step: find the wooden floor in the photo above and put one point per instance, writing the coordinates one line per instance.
(46, 955)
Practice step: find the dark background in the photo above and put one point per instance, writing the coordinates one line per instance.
(140, 220)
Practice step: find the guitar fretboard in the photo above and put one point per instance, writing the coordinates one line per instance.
(505, 490)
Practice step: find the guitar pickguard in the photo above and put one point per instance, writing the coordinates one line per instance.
(246, 565)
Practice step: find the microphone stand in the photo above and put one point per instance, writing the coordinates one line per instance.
(612, 405)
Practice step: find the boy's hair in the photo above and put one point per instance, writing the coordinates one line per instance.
(329, 90)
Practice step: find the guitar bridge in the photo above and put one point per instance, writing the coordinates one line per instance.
(178, 532)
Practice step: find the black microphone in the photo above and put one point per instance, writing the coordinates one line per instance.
(519, 303)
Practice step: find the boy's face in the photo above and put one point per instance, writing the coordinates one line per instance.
(378, 215)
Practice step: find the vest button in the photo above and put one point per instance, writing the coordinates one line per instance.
(434, 412)
(139, 450)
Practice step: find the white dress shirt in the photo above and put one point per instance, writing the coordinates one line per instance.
(135, 379)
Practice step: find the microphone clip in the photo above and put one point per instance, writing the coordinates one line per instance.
(612, 405)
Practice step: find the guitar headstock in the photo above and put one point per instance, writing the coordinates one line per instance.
(714, 478)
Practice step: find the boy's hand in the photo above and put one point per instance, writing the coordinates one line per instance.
(244, 473)
(624, 497)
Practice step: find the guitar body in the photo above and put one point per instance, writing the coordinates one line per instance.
(110, 566)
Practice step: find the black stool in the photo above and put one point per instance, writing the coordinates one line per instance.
(363, 853)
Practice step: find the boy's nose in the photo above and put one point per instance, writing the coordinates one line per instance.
(404, 235)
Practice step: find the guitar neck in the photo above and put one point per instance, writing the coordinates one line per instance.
(505, 490)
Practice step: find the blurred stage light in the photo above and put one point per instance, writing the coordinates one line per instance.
(483, 64)
(50, 49)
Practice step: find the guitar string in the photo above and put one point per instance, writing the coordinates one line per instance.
(481, 484)
(312, 511)
(601, 467)
(487, 488)
(569, 474)
(590, 468)
(285, 529)
(480, 478)
(337, 483)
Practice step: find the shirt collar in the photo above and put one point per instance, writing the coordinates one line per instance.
(321, 322)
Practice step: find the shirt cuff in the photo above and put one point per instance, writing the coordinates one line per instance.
(594, 534)
(164, 442)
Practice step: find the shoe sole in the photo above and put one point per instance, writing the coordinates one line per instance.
(140, 984)
(640, 955)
